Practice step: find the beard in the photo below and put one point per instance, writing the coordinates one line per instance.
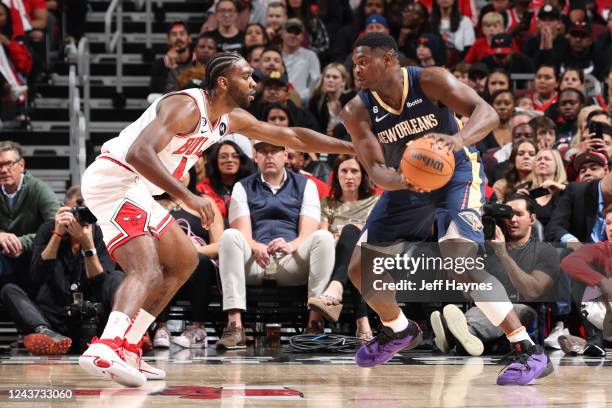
(241, 99)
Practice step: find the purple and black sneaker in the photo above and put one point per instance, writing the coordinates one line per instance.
(383, 347)
(525, 364)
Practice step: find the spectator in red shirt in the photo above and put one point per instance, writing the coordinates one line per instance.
(492, 24)
(227, 165)
(16, 51)
(545, 84)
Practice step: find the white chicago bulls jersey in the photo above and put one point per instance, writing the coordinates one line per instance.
(183, 150)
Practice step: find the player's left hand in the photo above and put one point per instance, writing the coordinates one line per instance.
(203, 206)
(453, 142)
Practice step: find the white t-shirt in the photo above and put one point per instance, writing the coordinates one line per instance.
(303, 69)
(460, 39)
(239, 206)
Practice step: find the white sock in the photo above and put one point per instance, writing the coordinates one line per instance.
(141, 323)
(519, 334)
(399, 324)
(117, 325)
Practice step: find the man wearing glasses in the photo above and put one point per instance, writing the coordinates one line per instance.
(26, 203)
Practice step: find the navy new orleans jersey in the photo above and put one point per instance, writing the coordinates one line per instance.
(405, 214)
(418, 116)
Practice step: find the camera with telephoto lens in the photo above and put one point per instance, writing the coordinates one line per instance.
(82, 214)
(495, 214)
(85, 319)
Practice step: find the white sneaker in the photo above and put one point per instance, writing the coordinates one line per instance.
(106, 358)
(552, 341)
(192, 337)
(133, 356)
(162, 338)
(457, 325)
(438, 328)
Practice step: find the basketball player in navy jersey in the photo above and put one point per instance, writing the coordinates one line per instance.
(396, 105)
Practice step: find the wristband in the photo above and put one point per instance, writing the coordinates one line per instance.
(54, 232)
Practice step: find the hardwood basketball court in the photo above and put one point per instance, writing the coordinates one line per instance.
(278, 378)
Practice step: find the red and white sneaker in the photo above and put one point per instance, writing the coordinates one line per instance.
(133, 356)
(106, 358)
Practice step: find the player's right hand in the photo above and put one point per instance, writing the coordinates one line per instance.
(408, 185)
(204, 208)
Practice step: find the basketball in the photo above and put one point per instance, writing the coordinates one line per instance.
(426, 164)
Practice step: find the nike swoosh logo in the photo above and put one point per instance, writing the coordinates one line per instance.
(381, 118)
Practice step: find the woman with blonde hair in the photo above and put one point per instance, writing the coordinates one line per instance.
(550, 178)
(330, 94)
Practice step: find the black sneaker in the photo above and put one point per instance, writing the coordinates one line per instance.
(594, 350)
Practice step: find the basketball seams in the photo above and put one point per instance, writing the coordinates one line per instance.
(419, 165)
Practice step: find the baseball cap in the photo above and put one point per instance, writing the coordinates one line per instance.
(549, 11)
(294, 23)
(590, 157)
(276, 77)
(258, 144)
(502, 44)
(580, 27)
(478, 70)
(376, 18)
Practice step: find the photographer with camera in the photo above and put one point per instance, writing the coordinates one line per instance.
(527, 268)
(77, 280)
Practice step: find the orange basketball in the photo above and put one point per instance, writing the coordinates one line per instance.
(426, 165)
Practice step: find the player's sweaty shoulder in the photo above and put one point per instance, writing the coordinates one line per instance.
(355, 111)
(179, 111)
(178, 104)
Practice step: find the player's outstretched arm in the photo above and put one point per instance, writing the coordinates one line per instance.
(300, 139)
(368, 150)
(440, 85)
(177, 114)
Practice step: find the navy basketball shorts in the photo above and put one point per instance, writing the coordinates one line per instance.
(405, 215)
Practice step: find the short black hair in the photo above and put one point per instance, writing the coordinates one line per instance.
(377, 40)
(529, 202)
(549, 65)
(177, 23)
(573, 90)
(208, 35)
(217, 66)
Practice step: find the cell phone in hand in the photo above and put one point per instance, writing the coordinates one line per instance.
(596, 130)
(538, 192)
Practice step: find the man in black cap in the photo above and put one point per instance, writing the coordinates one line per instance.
(591, 166)
(578, 51)
(550, 35)
(275, 89)
(303, 66)
(503, 57)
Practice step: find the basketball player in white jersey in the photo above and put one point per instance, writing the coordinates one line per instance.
(147, 158)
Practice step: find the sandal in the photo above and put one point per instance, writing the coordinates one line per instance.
(329, 312)
(364, 337)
